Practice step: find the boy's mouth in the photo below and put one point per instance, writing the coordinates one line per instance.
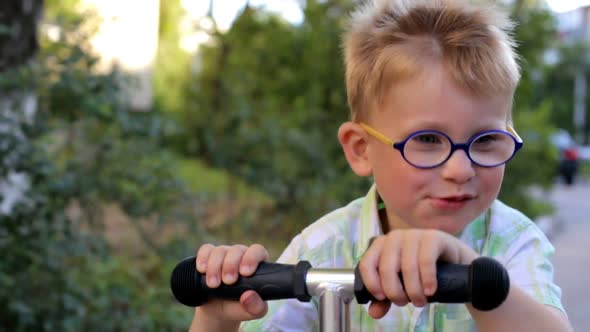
(459, 198)
(451, 202)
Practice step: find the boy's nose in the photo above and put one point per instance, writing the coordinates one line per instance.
(458, 168)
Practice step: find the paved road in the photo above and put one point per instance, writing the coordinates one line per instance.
(572, 244)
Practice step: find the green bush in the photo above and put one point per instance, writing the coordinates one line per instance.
(535, 164)
(81, 151)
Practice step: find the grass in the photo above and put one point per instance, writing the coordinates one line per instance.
(202, 178)
(234, 208)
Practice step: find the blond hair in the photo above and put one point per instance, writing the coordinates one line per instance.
(392, 40)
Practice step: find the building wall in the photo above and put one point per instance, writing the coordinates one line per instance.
(574, 25)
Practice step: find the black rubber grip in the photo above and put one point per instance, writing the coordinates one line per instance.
(490, 284)
(484, 283)
(272, 281)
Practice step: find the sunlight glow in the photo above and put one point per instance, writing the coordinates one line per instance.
(225, 11)
(561, 6)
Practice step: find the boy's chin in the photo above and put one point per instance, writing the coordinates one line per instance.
(450, 228)
(452, 224)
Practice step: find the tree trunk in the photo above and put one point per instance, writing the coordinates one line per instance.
(18, 44)
(18, 31)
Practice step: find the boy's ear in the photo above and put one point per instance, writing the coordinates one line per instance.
(353, 139)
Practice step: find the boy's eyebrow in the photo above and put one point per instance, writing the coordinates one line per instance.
(429, 124)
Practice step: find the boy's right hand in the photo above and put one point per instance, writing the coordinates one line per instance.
(222, 264)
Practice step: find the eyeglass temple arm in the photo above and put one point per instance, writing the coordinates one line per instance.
(386, 140)
(376, 134)
(513, 132)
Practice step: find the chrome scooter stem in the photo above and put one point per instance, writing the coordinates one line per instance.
(335, 289)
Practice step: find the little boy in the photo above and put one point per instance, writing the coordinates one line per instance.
(430, 87)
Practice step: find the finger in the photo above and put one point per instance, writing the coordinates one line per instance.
(409, 265)
(369, 266)
(253, 255)
(453, 250)
(253, 304)
(229, 269)
(214, 265)
(427, 257)
(389, 267)
(203, 257)
(447, 248)
(378, 309)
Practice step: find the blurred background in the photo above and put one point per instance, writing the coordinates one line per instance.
(132, 132)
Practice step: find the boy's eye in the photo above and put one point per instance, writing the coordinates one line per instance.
(485, 139)
(498, 142)
(427, 138)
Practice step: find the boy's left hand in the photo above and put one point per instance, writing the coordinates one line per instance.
(415, 253)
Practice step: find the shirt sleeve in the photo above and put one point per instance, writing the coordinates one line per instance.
(287, 315)
(530, 268)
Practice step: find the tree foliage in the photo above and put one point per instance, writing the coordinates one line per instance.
(559, 84)
(266, 106)
(536, 162)
(82, 151)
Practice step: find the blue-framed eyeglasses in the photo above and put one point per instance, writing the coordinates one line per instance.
(432, 148)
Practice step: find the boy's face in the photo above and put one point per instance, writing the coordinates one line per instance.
(449, 196)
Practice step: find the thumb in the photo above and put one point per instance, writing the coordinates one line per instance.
(378, 309)
(253, 304)
(250, 307)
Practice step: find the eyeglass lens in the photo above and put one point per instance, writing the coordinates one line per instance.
(431, 148)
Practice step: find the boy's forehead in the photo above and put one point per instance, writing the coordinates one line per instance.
(437, 102)
(435, 88)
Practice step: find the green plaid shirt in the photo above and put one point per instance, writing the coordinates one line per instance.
(339, 239)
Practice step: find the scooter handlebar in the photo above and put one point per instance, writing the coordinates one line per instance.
(484, 283)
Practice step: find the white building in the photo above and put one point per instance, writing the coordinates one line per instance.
(574, 25)
(128, 38)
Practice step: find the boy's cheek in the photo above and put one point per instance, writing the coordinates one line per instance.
(491, 182)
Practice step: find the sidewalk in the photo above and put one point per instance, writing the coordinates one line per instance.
(569, 232)
(552, 225)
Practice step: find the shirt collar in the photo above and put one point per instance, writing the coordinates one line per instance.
(369, 223)
(473, 235)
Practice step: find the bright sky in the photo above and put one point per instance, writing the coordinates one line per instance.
(225, 10)
(565, 5)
